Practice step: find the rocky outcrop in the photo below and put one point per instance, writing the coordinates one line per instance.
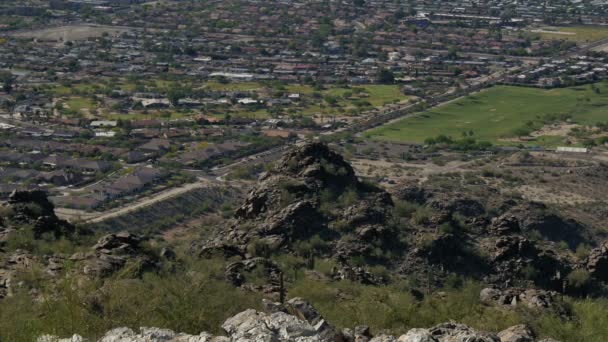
(505, 224)
(517, 333)
(311, 192)
(536, 217)
(143, 335)
(20, 261)
(515, 257)
(305, 311)
(235, 272)
(355, 273)
(597, 262)
(34, 208)
(298, 321)
(532, 298)
(112, 252)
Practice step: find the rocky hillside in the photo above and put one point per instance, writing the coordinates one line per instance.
(419, 255)
(298, 321)
(313, 206)
(310, 203)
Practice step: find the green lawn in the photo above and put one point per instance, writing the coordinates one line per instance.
(579, 34)
(500, 112)
(80, 103)
(380, 94)
(358, 98)
(237, 86)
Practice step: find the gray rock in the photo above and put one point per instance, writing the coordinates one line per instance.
(417, 335)
(251, 325)
(532, 298)
(455, 332)
(50, 338)
(304, 325)
(517, 333)
(597, 262)
(383, 338)
(152, 335)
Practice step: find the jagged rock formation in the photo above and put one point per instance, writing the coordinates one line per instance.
(34, 208)
(311, 192)
(597, 262)
(298, 321)
(112, 252)
(502, 241)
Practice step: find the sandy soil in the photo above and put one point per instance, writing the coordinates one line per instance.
(557, 129)
(551, 195)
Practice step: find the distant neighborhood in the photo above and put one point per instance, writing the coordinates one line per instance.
(102, 101)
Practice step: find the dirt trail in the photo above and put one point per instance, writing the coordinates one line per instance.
(96, 217)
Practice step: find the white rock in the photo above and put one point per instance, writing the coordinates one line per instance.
(383, 338)
(50, 338)
(417, 335)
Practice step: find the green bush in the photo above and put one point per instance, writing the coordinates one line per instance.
(579, 279)
(191, 301)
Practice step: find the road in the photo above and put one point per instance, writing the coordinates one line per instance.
(95, 217)
(213, 179)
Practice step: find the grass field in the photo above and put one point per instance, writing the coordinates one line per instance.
(579, 34)
(313, 101)
(80, 103)
(500, 112)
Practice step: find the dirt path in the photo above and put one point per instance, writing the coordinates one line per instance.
(423, 170)
(95, 217)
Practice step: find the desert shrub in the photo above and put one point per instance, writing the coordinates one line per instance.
(579, 279)
(405, 209)
(348, 198)
(193, 301)
(422, 215)
(590, 323)
(46, 244)
(529, 272)
(582, 251)
(393, 308)
(258, 248)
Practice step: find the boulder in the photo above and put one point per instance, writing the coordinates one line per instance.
(417, 335)
(505, 224)
(355, 273)
(517, 333)
(234, 272)
(448, 332)
(304, 324)
(112, 252)
(597, 262)
(50, 338)
(34, 207)
(251, 325)
(532, 298)
(383, 338)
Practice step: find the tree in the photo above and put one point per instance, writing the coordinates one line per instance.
(452, 53)
(579, 280)
(6, 78)
(386, 76)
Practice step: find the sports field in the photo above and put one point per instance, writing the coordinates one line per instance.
(502, 112)
(579, 34)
